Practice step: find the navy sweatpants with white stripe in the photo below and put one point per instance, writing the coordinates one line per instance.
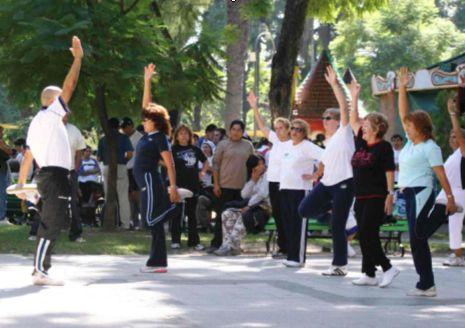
(55, 190)
(294, 226)
(155, 209)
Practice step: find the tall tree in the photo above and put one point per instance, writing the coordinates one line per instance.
(290, 40)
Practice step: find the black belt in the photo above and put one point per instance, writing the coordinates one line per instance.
(55, 169)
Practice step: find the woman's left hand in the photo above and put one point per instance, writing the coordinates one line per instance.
(451, 208)
(388, 204)
(174, 195)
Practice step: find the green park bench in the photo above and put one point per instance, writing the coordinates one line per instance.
(390, 233)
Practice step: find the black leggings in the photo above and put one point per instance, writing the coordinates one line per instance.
(369, 214)
(189, 210)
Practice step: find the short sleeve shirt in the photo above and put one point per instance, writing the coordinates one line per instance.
(416, 162)
(149, 149)
(186, 160)
(47, 137)
(275, 157)
(370, 163)
(124, 146)
(337, 156)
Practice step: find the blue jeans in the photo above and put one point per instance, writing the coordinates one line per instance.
(3, 186)
(316, 202)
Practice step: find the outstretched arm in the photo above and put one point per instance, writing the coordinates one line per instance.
(331, 78)
(403, 98)
(71, 79)
(149, 71)
(355, 121)
(454, 113)
(252, 99)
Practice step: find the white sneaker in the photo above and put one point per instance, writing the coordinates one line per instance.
(365, 281)
(351, 251)
(40, 279)
(388, 277)
(199, 247)
(425, 293)
(5, 222)
(80, 240)
(175, 246)
(293, 264)
(454, 260)
(32, 238)
(335, 270)
(149, 269)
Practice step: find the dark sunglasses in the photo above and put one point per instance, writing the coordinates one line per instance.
(326, 118)
(294, 128)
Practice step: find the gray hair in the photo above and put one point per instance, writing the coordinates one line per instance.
(334, 112)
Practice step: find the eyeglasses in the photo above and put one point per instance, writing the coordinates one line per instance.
(326, 118)
(296, 129)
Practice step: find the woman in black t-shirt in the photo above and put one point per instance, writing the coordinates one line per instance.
(186, 159)
(373, 166)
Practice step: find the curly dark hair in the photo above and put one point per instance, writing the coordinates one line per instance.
(159, 116)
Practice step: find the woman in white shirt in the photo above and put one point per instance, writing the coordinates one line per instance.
(336, 185)
(250, 214)
(279, 137)
(299, 159)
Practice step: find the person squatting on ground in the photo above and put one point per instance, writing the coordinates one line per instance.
(251, 214)
(229, 174)
(373, 166)
(49, 145)
(186, 159)
(300, 156)
(455, 172)
(157, 206)
(279, 137)
(336, 184)
(419, 159)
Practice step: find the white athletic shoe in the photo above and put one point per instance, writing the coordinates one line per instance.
(425, 293)
(388, 277)
(365, 281)
(32, 238)
(40, 279)
(175, 246)
(351, 251)
(454, 261)
(338, 271)
(80, 240)
(293, 264)
(5, 222)
(149, 269)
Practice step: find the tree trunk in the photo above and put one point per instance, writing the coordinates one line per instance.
(196, 122)
(324, 33)
(235, 64)
(306, 49)
(111, 198)
(284, 61)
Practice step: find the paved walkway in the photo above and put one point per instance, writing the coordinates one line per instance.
(206, 291)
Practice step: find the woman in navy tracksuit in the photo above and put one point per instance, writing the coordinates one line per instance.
(156, 204)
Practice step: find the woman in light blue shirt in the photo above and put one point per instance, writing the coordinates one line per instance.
(419, 159)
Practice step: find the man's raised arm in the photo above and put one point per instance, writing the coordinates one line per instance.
(73, 75)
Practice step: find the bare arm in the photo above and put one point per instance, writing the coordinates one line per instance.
(355, 121)
(441, 175)
(128, 155)
(403, 97)
(71, 79)
(168, 159)
(390, 197)
(205, 168)
(331, 78)
(454, 117)
(26, 165)
(252, 99)
(149, 71)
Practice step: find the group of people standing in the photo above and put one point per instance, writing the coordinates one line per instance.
(355, 169)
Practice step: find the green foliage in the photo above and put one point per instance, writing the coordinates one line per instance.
(329, 10)
(37, 34)
(405, 33)
(256, 9)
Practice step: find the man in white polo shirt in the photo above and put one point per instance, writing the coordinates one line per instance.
(49, 145)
